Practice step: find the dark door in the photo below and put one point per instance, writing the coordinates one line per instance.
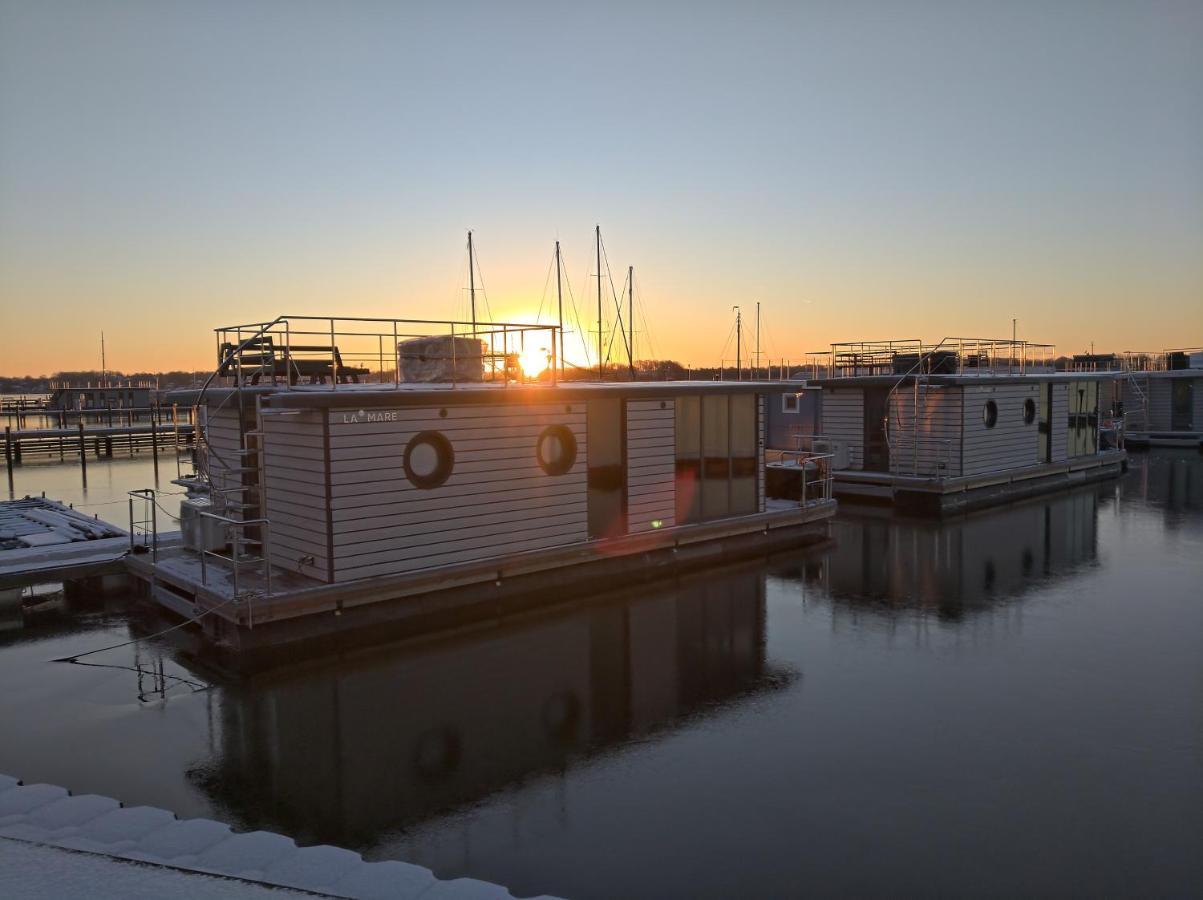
(607, 498)
(877, 451)
(1181, 408)
(1045, 427)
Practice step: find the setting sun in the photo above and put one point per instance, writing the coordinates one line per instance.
(534, 361)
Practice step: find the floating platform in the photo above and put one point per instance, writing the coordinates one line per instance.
(45, 541)
(301, 608)
(50, 816)
(934, 495)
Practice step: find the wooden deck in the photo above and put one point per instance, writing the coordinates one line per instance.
(299, 607)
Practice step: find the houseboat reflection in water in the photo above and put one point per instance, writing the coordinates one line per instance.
(960, 565)
(361, 744)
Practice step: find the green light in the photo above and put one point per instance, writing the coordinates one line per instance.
(657, 523)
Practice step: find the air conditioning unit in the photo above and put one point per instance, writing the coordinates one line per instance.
(837, 449)
(200, 533)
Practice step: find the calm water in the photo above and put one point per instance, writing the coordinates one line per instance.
(1007, 703)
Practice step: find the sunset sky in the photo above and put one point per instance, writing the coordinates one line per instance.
(864, 170)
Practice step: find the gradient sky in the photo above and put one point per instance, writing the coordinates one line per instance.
(865, 170)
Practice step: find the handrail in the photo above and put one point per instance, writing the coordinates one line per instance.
(147, 496)
(824, 465)
(236, 561)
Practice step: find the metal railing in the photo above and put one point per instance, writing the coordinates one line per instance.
(1158, 360)
(950, 356)
(340, 350)
(806, 462)
(236, 559)
(145, 528)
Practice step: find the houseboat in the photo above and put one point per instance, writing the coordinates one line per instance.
(956, 425)
(372, 476)
(1163, 398)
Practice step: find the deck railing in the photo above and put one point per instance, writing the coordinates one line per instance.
(951, 356)
(816, 471)
(339, 350)
(1157, 360)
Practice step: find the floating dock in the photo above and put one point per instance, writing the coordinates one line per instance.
(45, 541)
(50, 816)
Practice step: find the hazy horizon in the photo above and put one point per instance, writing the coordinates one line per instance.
(866, 170)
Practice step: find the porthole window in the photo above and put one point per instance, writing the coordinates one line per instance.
(990, 414)
(1029, 411)
(428, 460)
(556, 449)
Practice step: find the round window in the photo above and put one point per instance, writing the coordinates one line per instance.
(1029, 411)
(556, 449)
(990, 414)
(428, 460)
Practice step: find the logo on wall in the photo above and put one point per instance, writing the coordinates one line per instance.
(363, 416)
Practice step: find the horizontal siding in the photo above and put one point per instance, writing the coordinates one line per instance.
(651, 464)
(1060, 423)
(1011, 443)
(929, 442)
(498, 500)
(844, 420)
(292, 451)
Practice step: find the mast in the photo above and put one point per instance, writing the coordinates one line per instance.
(631, 321)
(472, 282)
(757, 373)
(560, 303)
(600, 371)
(103, 368)
(739, 372)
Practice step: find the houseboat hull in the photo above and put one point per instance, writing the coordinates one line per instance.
(464, 594)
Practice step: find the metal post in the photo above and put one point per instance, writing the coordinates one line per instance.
(454, 367)
(83, 453)
(631, 321)
(560, 304)
(333, 357)
(154, 445)
(472, 281)
(8, 456)
(397, 354)
(600, 370)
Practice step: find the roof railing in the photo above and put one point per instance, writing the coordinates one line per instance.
(340, 350)
(951, 356)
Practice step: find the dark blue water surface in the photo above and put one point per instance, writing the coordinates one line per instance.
(1004, 703)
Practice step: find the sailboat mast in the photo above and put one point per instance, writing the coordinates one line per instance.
(472, 282)
(560, 303)
(103, 368)
(739, 372)
(600, 370)
(757, 375)
(631, 320)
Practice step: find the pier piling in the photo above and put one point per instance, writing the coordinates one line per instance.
(83, 453)
(8, 456)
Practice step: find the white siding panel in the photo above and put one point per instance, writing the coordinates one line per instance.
(651, 464)
(1010, 443)
(844, 420)
(498, 500)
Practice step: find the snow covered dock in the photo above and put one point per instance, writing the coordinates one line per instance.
(50, 816)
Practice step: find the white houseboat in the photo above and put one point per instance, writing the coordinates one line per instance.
(1163, 398)
(359, 474)
(960, 424)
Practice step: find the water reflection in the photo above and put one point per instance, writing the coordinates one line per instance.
(359, 744)
(956, 566)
